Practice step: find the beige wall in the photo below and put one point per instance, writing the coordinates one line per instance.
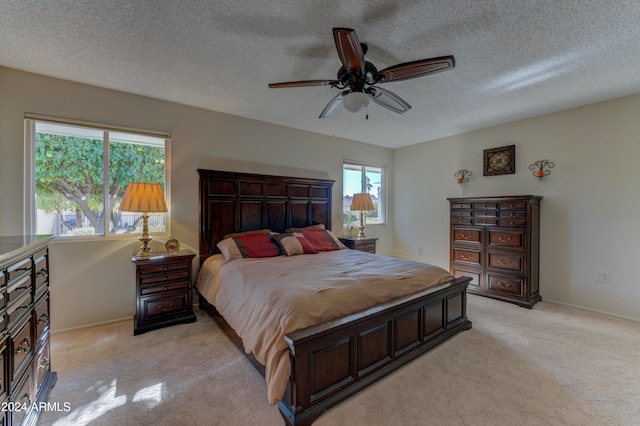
(588, 214)
(93, 281)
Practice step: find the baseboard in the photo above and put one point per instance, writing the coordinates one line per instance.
(196, 307)
(595, 311)
(95, 324)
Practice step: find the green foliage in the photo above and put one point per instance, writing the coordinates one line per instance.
(70, 173)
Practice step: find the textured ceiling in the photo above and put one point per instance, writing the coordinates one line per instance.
(514, 58)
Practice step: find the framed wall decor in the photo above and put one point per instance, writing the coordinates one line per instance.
(499, 161)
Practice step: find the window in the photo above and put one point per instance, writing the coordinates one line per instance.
(362, 178)
(78, 173)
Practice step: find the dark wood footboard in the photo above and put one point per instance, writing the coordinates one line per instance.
(336, 359)
(333, 360)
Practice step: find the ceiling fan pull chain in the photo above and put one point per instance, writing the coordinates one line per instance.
(366, 113)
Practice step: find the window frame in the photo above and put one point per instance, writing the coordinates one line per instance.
(29, 215)
(382, 200)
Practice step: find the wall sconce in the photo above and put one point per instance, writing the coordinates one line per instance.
(539, 168)
(462, 176)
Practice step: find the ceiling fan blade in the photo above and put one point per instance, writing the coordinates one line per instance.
(388, 99)
(349, 49)
(332, 106)
(303, 83)
(415, 69)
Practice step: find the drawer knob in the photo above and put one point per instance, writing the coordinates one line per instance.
(166, 278)
(166, 287)
(503, 285)
(43, 272)
(165, 268)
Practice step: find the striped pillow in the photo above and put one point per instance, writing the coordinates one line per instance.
(252, 245)
(293, 243)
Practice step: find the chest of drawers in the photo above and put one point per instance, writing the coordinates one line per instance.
(496, 240)
(25, 370)
(163, 290)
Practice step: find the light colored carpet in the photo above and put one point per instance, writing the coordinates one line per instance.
(551, 365)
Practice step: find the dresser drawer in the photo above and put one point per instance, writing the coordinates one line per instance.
(505, 238)
(513, 222)
(467, 256)
(515, 214)
(41, 267)
(22, 348)
(475, 275)
(42, 317)
(18, 270)
(485, 205)
(513, 262)
(4, 359)
(22, 395)
(511, 285)
(460, 206)
(461, 213)
(172, 286)
(17, 288)
(466, 235)
(41, 364)
(513, 205)
(460, 221)
(485, 221)
(18, 308)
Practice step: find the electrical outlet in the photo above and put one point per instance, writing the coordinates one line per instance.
(602, 276)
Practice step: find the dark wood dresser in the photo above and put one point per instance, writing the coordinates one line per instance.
(25, 362)
(163, 290)
(367, 244)
(496, 241)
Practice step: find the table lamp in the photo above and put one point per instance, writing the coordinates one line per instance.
(145, 198)
(361, 203)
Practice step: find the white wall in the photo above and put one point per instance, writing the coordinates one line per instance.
(93, 281)
(589, 210)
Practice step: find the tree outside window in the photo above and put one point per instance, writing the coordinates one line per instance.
(81, 175)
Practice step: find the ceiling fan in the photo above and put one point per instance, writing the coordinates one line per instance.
(357, 78)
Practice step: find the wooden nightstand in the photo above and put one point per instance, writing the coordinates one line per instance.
(163, 290)
(363, 244)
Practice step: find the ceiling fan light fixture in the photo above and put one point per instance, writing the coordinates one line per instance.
(356, 101)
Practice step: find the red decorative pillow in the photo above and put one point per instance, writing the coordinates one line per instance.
(293, 243)
(252, 245)
(322, 239)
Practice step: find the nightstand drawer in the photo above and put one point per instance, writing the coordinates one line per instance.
(168, 277)
(184, 285)
(168, 267)
(164, 305)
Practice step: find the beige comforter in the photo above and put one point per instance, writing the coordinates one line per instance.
(263, 299)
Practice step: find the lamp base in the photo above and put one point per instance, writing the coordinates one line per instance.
(361, 227)
(145, 250)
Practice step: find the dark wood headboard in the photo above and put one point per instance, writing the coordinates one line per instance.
(236, 202)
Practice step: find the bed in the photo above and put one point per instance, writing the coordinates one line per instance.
(330, 360)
